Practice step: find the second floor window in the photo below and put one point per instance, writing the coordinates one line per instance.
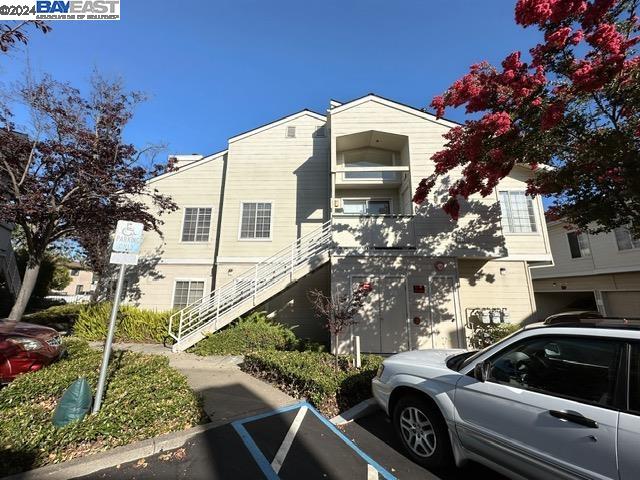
(578, 244)
(256, 221)
(518, 214)
(197, 223)
(625, 240)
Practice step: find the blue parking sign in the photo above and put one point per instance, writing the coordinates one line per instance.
(128, 237)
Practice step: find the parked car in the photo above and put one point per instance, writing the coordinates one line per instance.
(26, 348)
(557, 400)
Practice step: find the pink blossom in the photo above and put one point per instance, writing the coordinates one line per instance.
(438, 103)
(607, 38)
(552, 116)
(558, 38)
(498, 123)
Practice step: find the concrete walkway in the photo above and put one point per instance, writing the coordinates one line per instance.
(226, 391)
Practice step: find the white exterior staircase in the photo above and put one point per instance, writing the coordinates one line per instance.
(267, 278)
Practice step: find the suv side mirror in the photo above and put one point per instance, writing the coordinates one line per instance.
(481, 370)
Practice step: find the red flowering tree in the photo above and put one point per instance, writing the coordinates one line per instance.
(573, 105)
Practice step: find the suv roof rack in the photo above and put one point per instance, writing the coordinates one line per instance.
(603, 322)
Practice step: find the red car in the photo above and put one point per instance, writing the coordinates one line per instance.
(27, 348)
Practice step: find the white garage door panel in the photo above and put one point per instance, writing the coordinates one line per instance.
(622, 304)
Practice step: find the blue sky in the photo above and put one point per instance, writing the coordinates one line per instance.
(214, 69)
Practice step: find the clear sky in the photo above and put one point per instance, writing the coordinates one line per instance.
(219, 67)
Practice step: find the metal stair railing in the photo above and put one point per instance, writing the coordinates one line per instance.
(250, 284)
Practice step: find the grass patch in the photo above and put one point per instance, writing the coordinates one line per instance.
(312, 375)
(250, 334)
(144, 398)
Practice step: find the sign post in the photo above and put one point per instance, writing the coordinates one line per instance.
(126, 245)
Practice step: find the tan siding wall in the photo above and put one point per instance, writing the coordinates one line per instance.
(605, 256)
(482, 286)
(162, 259)
(155, 292)
(292, 173)
(84, 278)
(478, 232)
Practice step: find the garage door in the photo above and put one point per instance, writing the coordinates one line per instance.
(622, 304)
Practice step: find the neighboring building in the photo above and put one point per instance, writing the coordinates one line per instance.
(592, 272)
(82, 283)
(315, 201)
(9, 274)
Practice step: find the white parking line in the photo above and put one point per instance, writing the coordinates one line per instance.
(288, 440)
(372, 473)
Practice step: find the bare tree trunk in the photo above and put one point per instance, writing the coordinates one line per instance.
(335, 341)
(28, 283)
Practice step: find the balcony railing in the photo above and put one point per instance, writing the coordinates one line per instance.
(373, 231)
(370, 175)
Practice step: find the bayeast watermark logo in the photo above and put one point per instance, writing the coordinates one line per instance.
(60, 10)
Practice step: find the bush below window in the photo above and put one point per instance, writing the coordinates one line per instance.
(144, 398)
(484, 335)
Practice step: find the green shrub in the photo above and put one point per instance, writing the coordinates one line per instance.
(144, 398)
(312, 375)
(133, 325)
(484, 335)
(60, 317)
(252, 333)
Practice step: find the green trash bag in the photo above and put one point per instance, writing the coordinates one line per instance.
(74, 404)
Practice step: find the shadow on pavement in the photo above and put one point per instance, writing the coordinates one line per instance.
(374, 434)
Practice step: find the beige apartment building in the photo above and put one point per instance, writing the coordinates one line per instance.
(590, 272)
(323, 201)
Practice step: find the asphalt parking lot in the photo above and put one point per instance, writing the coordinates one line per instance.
(291, 443)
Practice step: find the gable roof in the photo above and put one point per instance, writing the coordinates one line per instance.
(275, 123)
(193, 164)
(392, 104)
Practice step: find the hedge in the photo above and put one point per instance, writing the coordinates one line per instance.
(91, 321)
(250, 334)
(313, 375)
(144, 398)
(484, 335)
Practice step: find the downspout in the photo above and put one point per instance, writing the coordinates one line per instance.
(214, 270)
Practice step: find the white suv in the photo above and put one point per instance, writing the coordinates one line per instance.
(550, 401)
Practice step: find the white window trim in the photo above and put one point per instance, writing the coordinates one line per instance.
(286, 131)
(181, 279)
(536, 215)
(581, 257)
(368, 199)
(184, 214)
(267, 239)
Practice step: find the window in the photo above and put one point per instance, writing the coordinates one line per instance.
(256, 221)
(75, 272)
(79, 289)
(578, 244)
(291, 132)
(197, 223)
(581, 369)
(369, 157)
(518, 215)
(320, 132)
(366, 207)
(187, 292)
(624, 239)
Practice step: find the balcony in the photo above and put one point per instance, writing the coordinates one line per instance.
(373, 231)
(354, 177)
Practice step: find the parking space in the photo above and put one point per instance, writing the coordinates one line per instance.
(298, 442)
(294, 442)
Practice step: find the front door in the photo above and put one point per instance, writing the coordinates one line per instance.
(382, 321)
(393, 315)
(547, 408)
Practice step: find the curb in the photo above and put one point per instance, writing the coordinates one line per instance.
(126, 453)
(360, 410)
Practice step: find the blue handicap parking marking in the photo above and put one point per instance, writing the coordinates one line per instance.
(289, 441)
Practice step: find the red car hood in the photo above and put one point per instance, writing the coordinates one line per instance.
(28, 330)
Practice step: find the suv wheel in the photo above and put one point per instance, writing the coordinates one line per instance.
(422, 431)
